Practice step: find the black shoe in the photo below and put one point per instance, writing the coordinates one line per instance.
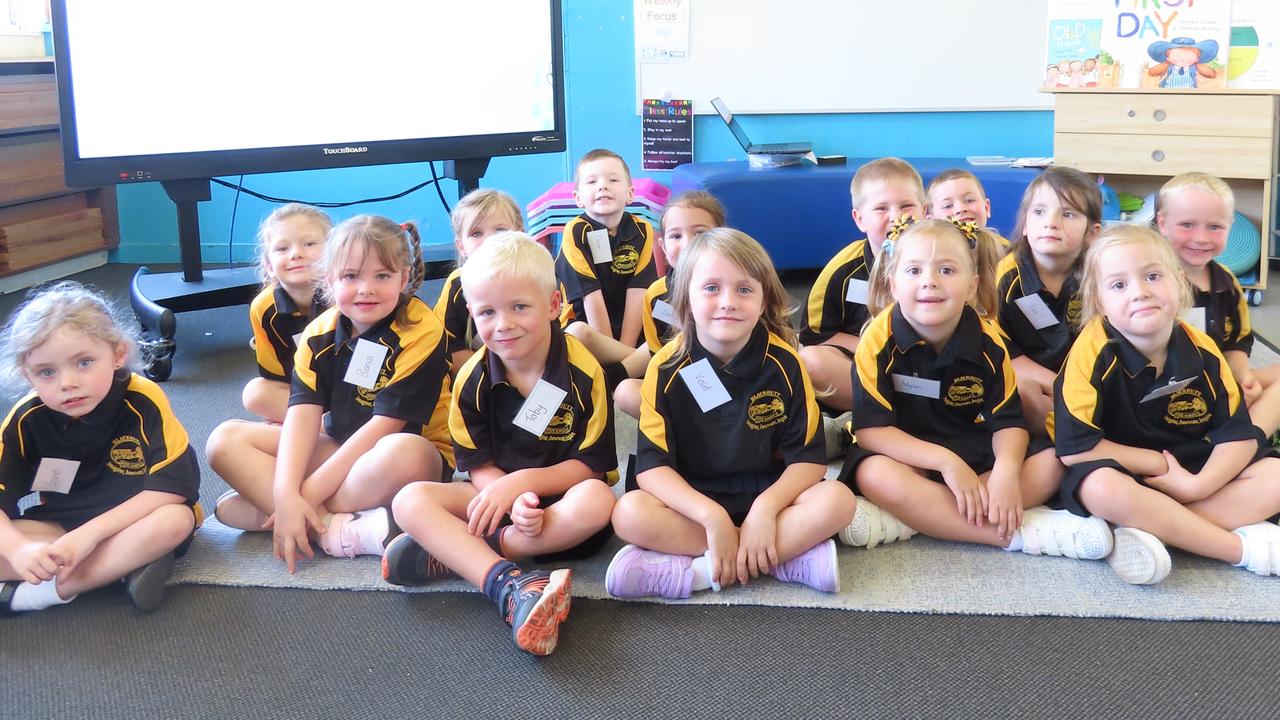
(145, 586)
(534, 603)
(7, 589)
(405, 562)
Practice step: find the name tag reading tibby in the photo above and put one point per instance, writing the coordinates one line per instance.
(55, 475)
(1195, 317)
(598, 240)
(857, 291)
(706, 387)
(538, 409)
(1169, 389)
(366, 361)
(1037, 312)
(663, 311)
(923, 387)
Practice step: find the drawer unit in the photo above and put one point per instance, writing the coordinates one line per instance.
(1165, 114)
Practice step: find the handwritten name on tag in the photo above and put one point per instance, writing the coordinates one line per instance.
(366, 361)
(663, 311)
(922, 387)
(857, 291)
(538, 409)
(1171, 388)
(1037, 312)
(55, 475)
(705, 385)
(598, 240)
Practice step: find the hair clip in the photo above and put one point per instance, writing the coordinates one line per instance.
(886, 248)
(900, 226)
(404, 226)
(969, 229)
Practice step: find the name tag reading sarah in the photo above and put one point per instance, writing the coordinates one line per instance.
(706, 387)
(1195, 317)
(366, 361)
(922, 387)
(1037, 312)
(55, 475)
(598, 241)
(1169, 389)
(857, 291)
(538, 409)
(663, 311)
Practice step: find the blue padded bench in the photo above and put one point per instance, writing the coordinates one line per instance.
(802, 214)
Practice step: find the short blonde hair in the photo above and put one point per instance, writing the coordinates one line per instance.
(510, 255)
(1116, 235)
(322, 220)
(1204, 181)
(885, 169)
(955, 174)
(983, 253)
(66, 304)
(480, 204)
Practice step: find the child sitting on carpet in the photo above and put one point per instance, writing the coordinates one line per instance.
(731, 451)
(290, 242)
(368, 412)
(533, 425)
(117, 481)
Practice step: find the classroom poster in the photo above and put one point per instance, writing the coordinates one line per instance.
(666, 128)
(1255, 45)
(1073, 44)
(662, 31)
(1172, 44)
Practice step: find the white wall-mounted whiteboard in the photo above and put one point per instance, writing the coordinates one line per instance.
(833, 56)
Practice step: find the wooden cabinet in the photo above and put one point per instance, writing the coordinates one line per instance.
(1141, 138)
(42, 221)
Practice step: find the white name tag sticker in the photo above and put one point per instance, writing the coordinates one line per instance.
(538, 409)
(857, 292)
(1169, 389)
(923, 387)
(366, 361)
(1195, 317)
(297, 340)
(663, 311)
(55, 475)
(1037, 312)
(706, 387)
(598, 240)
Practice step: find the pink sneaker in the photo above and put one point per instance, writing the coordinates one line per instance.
(635, 572)
(816, 567)
(235, 511)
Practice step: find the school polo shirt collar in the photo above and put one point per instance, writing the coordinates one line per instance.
(746, 364)
(965, 342)
(104, 416)
(556, 371)
(1220, 282)
(342, 333)
(628, 228)
(286, 306)
(1183, 359)
(1029, 276)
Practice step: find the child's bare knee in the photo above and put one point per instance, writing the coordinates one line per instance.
(222, 442)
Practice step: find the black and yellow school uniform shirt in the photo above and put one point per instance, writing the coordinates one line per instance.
(838, 299)
(485, 403)
(741, 447)
(276, 320)
(412, 384)
(632, 265)
(1108, 390)
(656, 330)
(957, 398)
(451, 310)
(1017, 278)
(129, 443)
(1226, 311)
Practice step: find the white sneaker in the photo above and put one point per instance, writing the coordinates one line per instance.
(1062, 533)
(872, 526)
(1261, 548)
(836, 432)
(1139, 558)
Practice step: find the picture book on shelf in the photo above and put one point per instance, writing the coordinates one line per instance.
(1254, 57)
(1073, 43)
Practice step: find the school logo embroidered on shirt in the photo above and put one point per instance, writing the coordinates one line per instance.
(765, 410)
(1226, 328)
(366, 396)
(625, 260)
(126, 456)
(964, 390)
(1187, 407)
(1074, 309)
(560, 429)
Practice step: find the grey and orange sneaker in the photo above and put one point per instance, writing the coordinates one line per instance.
(534, 603)
(405, 562)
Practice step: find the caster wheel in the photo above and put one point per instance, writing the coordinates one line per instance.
(159, 369)
(1254, 297)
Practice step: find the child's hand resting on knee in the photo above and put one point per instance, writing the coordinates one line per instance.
(757, 543)
(526, 516)
(36, 562)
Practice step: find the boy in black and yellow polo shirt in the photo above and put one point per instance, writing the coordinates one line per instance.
(606, 255)
(533, 425)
